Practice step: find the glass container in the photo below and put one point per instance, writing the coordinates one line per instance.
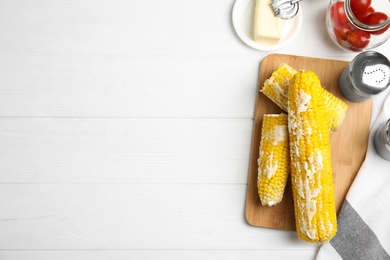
(358, 25)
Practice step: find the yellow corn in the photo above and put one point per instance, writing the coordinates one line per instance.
(276, 88)
(310, 155)
(336, 110)
(273, 162)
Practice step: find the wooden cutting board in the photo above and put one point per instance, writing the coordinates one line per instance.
(348, 144)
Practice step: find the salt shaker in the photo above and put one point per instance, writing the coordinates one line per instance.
(367, 74)
(382, 140)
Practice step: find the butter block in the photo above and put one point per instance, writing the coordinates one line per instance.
(267, 27)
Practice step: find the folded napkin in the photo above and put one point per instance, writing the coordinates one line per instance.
(364, 218)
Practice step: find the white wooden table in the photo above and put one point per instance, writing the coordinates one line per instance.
(125, 130)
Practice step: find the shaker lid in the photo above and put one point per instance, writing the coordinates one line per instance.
(370, 72)
(376, 75)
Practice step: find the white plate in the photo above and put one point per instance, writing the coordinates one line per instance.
(243, 16)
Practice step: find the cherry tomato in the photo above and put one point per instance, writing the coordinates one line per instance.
(341, 31)
(359, 6)
(377, 18)
(337, 13)
(358, 38)
(362, 16)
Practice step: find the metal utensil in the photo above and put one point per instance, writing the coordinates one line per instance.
(382, 140)
(285, 9)
(382, 134)
(388, 133)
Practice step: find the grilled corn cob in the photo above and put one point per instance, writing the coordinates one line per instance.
(273, 159)
(310, 155)
(276, 88)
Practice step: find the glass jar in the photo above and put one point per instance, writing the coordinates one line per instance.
(358, 25)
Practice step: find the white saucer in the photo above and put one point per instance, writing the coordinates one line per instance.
(243, 16)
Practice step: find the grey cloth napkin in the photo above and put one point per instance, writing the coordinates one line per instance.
(364, 218)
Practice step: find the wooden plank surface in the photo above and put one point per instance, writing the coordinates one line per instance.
(348, 144)
(126, 86)
(168, 254)
(36, 150)
(148, 216)
(126, 130)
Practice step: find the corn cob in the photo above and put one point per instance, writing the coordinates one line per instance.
(276, 88)
(273, 159)
(310, 155)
